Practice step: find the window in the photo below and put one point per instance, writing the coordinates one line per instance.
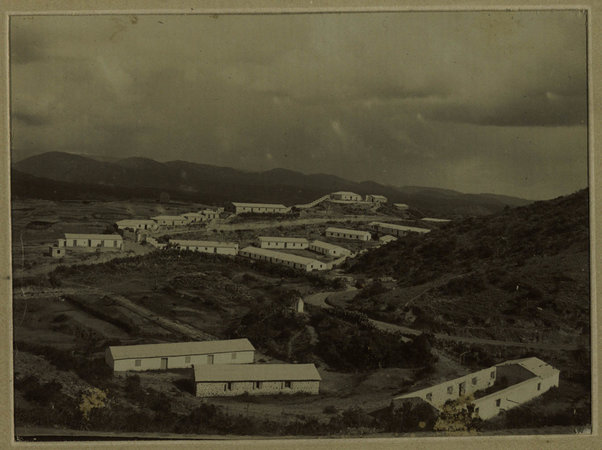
(476, 410)
(474, 380)
(257, 385)
(450, 389)
(492, 374)
(287, 384)
(187, 359)
(138, 363)
(228, 387)
(429, 396)
(233, 355)
(498, 402)
(539, 386)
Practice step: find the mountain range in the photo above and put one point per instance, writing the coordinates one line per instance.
(73, 176)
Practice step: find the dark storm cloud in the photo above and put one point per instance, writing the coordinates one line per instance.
(442, 99)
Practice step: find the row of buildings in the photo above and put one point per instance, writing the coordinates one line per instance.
(221, 368)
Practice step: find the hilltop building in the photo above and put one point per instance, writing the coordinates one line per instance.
(95, 241)
(326, 248)
(373, 198)
(344, 233)
(56, 252)
(260, 208)
(287, 259)
(282, 242)
(171, 221)
(346, 196)
(136, 224)
(396, 230)
(179, 355)
(193, 217)
(401, 206)
(435, 220)
(386, 239)
(524, 379)
(256, 379)
(220, 248)
(210, 214)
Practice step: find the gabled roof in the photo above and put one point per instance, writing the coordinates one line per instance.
(345, 193)
(377, 196)
(260, 205)
(180, 349)
(256, 372)
(347, 230)
(113, 237)
(170, 217)
(281, 239)
(433, 219)
(393, 226)
(534, 365)
(203, 243)
(328, 246)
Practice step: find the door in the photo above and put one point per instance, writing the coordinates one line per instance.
(163, 363)
(462, 388)
(209, 359)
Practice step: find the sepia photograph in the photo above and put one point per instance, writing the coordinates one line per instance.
(354, 224)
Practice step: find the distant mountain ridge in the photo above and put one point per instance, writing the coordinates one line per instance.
(214, 184)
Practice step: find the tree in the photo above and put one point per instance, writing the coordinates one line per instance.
(457, 416)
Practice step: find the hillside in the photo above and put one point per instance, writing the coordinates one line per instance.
(206, 183)
(519, 274)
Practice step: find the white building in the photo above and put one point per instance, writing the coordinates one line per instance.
(386, 239)
(326, 248)
(256, 379)
(179, 355)
(220, 248)
(395, 229)
(346, 196)
(171, 221)
(286, 259)
(56, 252)
(95, 241)
(526, 378)
(210, 214)
(282, 242)
(344, 233)
(373, 198)
(260, 208)
(401, 206)
(193, 217)
(136, 224)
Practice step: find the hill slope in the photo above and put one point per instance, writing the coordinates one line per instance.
(519, 274)
(218, 184)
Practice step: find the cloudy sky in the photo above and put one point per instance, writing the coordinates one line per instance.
(473, 101)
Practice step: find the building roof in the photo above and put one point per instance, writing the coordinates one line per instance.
(387, 237)
(170, 217)
(202, 243)
(180, 349)
(256, 372)
(328, 246)
(401, 204)
(115, 237)
(433, 219)
(260, 205)
(280, 255)
(281, 239)
(400, 227)
(191, 214)
(534, 365)
(348, 231)
(345, 193)
(127, 221)
(377, 196)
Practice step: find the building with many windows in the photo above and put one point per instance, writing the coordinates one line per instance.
(345, 233)
(220, 248)
(282, 242)
(260, 208)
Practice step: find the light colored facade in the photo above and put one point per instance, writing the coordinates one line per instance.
(179, 355)
(260, 208)
(171, 221)
(344, 233)
(527, 378)
(256, 379)
(396, 230)
(193, 217)
(286, 259)
(282, 242)
(209, 214)
(328, 249)
(401, 206)
(136, 224)
(94, 241)
(298, 305)
(219, 248)
(373, 198)
(56, 252)
(346, 196)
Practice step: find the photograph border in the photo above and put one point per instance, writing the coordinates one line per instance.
(72, 7)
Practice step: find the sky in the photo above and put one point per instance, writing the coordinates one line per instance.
(473, 101)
